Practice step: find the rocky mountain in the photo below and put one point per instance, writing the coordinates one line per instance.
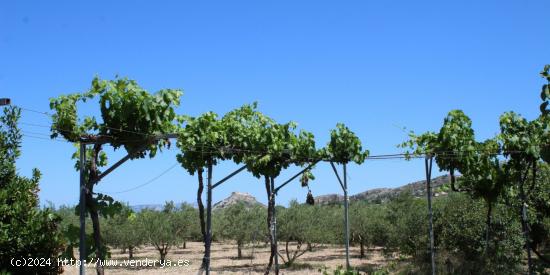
(418, 189)
(236, 197)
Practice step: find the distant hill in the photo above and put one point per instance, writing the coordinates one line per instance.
(156, 207)
(234, 198)
(418, 189)
(140, 207)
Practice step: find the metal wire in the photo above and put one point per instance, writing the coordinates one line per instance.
(145, 183)
(214, 150)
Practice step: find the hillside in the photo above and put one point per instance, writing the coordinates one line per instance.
(418, 189)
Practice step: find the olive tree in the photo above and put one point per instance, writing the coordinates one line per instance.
(369, 225)
(241, 224)
(131, 118)
(160, 229)
(301, 228)
(185, 219)
(124, 231)
(407, 231)
(460, 223)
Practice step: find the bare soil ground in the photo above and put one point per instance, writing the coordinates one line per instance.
(224, 260)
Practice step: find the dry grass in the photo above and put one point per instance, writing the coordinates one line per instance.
(224, 260)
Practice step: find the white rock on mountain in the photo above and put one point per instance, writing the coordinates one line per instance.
(235, 198)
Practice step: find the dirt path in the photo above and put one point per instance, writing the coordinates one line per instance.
(224, 260)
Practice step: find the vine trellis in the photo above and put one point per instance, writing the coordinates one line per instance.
(143, 123)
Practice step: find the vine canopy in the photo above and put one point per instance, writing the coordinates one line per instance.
(130, 116)
(344, 146)
(457, 142)
(265, 146)
(521, 139)
(276, 147)
(484, 175)
(203, 140)
(454, 146)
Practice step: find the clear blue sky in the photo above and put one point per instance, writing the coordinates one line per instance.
(374, 65)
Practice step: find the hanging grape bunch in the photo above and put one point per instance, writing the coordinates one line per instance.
(310, 200)
(306, 177)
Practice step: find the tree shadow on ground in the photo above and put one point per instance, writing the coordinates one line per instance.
(322, 258)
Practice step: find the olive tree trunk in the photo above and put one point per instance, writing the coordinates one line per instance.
(163, 251)
(239, 250)
(362, 246)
